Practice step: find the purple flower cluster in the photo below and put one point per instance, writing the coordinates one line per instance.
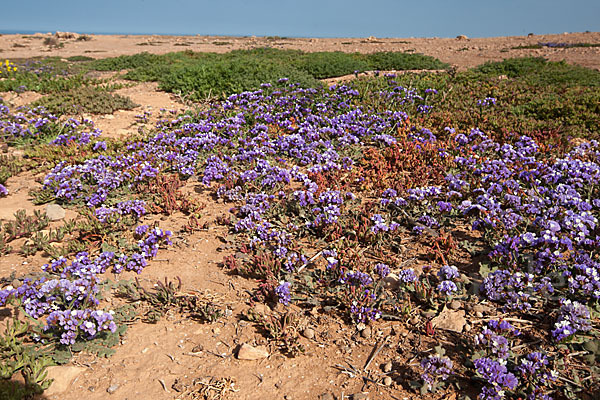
(534, 369)
(493, 338)
(76, 132)
(435, 368)
(573, 317)
(129, 207)
(25, 122)
(488, 101)
(74, 323)
(497, 378)
(283, 293)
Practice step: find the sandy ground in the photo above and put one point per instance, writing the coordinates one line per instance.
(461, 52)
(159, 361)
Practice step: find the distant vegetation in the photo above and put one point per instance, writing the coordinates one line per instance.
(202, 75)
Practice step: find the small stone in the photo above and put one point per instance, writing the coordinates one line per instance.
(360, 396)
(391, 281)
(308, 333)
(112, 388)
(479, 308)
(54, 212)
(414, 320)
(366, 333)
(462, 37)
(387, 367)
(387, 381)
(326, 396)
(450, 320)
(247, 352)
(468, 328)
(455, 304)
(479, 314)
(15, 283)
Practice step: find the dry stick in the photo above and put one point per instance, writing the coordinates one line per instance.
(375, 352)
(313, 258)
(163, 385)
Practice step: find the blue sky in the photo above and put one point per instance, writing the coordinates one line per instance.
(304, 18)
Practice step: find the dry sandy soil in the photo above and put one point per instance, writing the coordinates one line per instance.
(163, 360)
(462, 52)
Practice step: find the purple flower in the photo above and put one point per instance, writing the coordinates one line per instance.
(382, 270)
(283, 292)
(573, 317)
(447, 287)
(435, 368)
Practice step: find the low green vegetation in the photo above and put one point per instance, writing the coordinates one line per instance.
(202, 75)
(88, 99)
(547, 100)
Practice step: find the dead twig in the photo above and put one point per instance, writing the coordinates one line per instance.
(376, 350)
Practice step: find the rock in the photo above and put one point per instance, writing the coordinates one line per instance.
(455, 304)
(308, 333)
(63, 378)
(387, 367)
(366, 333)
(326, 396)
(479, 314)
(55, 212)
(387, 381)
(65, 35)
(462, 37)
(479, 308)
(247, 352)
(450, 320)
(468, 328)
(112, 388)
(391, 281)
(360, 396)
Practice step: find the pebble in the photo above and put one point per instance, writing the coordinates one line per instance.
(360, 396)
(387, 381)
(366, 333)
(480, 308)
(479, 314)
(247, 352)
(54, 212)
(467, 328)
(414, 320)
(112, 388)
(308, 333)
(387, 367)
(455, 304)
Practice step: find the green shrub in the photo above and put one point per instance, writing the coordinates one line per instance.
(86, 99)
(331, 64)
(539, 72)
(221, 78)
(209, 74)
(126, 62)
(80, 58)
(387, 61)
